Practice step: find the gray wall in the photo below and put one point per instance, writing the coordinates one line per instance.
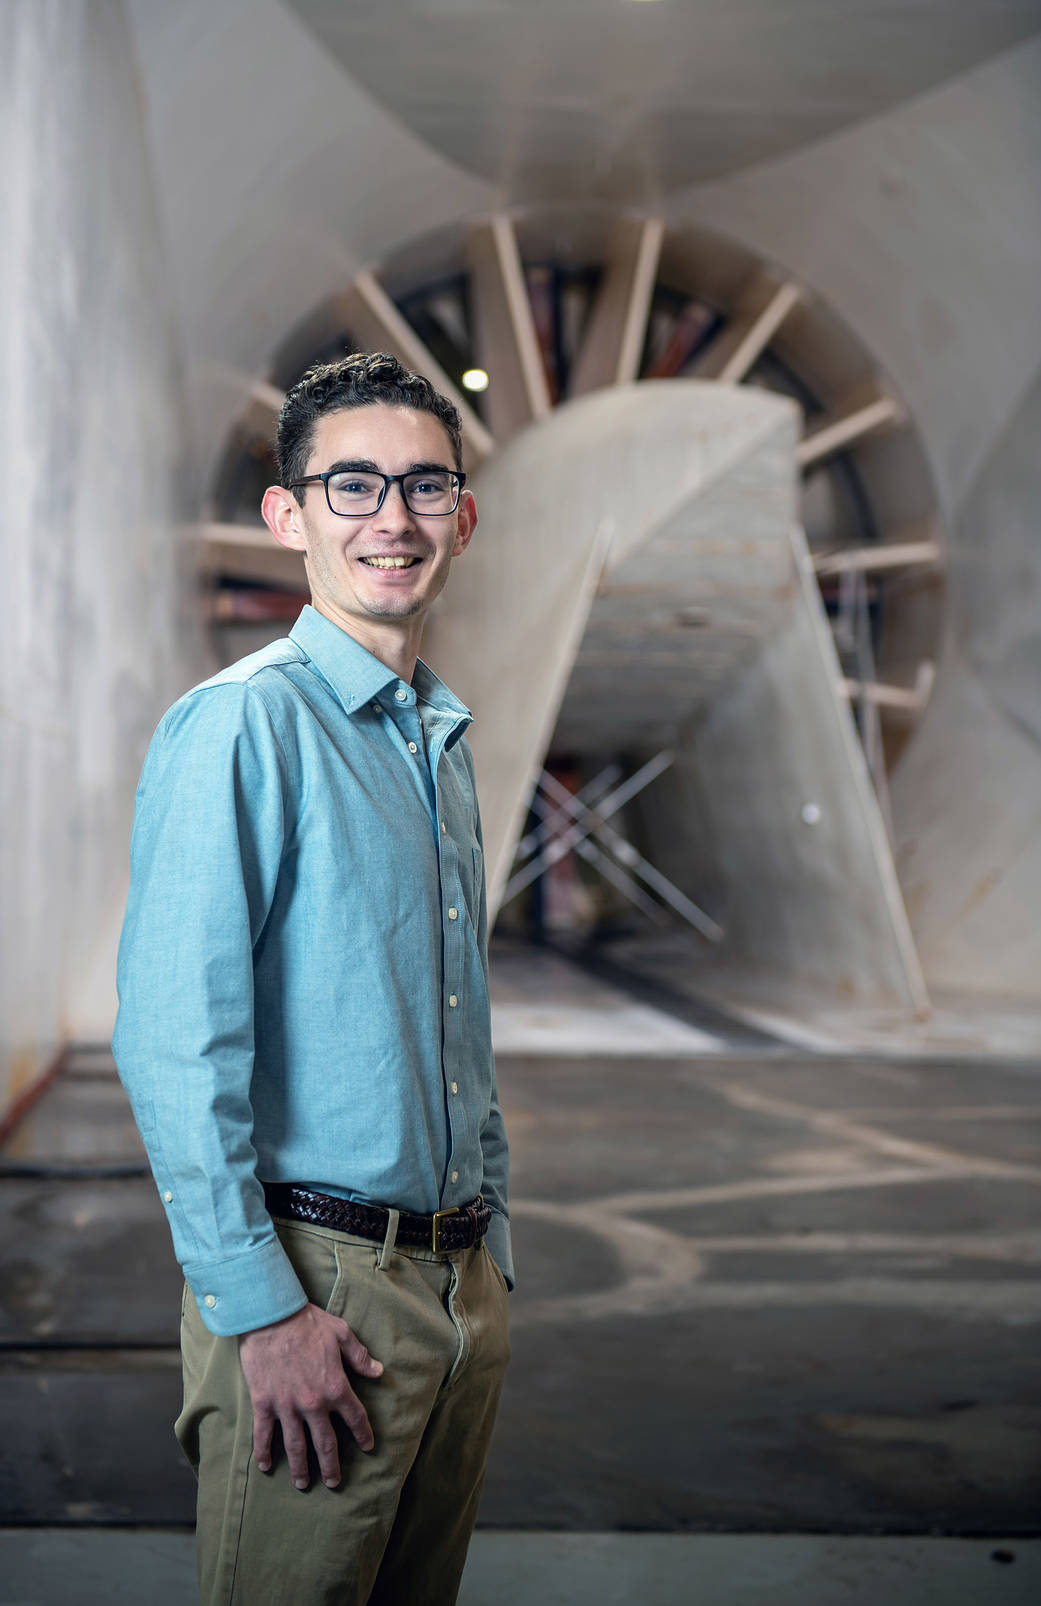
(99, 632)
(809, 906)
(923, 229)
(278, 178)
(211, 191)
(967, 794)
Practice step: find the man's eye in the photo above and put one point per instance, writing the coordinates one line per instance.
(351, 487)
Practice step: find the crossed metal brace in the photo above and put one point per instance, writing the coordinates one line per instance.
(589, 811)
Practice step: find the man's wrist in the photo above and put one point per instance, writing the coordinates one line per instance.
(243, 1292)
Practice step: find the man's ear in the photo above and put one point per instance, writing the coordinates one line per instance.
(466, 523)
(281, 512)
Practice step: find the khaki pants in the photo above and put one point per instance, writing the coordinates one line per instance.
(396, 1530)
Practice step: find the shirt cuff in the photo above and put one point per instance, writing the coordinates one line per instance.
(500, 1247)
(251, 1290)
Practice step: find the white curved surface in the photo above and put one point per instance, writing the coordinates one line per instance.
(279, 178)
(696, 483)
(236, 177)
(580, 490)
(98, 636)
(967, 794)
(922, 227)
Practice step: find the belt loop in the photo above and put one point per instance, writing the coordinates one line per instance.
(389, 1240)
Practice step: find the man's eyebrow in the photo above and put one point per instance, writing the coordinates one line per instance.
(365, 465)
(360, 465)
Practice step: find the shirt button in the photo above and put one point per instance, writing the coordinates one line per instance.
(452, 1000)
(375, 708)
(400, 695)
(443, 826)
(209, 1301)
(412, 747)
(455, 1087)
(453, 914)
(168, 1196)
(455, 1176)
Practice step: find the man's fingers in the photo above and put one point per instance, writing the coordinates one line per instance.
(323, 1437)
(295, 1441)
(296, 1372)
(356, 1418)
(263, 1427)
(356, 1355)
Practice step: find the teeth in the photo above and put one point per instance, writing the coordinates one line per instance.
(388, 563)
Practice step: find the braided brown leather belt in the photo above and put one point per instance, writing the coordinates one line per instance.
(444, 1231)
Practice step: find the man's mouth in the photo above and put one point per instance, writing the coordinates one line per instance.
(389, 563)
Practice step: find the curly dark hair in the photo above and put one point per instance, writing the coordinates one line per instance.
(364, 378)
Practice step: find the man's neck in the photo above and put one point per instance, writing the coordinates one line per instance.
(395, 642)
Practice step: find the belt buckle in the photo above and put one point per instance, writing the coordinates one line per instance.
(438, 1246)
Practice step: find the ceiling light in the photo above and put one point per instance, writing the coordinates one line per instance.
(475, 379)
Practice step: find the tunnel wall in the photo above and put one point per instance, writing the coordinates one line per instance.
(968, 792)
(808, 901)
(279, 178)
(923, 228)
(566, 502)
(99, 631)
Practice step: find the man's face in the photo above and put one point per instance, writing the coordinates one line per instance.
(343, 554)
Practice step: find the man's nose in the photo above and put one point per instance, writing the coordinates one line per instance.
(394, 512)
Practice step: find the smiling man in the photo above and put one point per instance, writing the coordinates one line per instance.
(304, 1035)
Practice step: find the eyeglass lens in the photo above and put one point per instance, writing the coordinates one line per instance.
(359, 492)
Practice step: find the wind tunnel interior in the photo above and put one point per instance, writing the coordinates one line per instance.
(551, 310)
(758, 481)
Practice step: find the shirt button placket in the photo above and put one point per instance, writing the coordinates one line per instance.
(455, 937)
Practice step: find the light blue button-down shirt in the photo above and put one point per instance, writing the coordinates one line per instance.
(303, 974)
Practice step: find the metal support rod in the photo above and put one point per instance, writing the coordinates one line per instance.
(621, 879)
(644, 776)
(555, 851)
(634, 860)
(593, 789)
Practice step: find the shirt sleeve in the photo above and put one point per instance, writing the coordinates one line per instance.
(496, 1164)
(494, 1148)
(204, 860)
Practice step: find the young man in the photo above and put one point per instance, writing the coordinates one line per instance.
(304, 1035)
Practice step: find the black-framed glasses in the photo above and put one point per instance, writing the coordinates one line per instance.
(358, 493)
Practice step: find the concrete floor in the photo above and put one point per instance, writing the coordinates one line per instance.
(674, 969)
(113, 1568)
(776, 1327)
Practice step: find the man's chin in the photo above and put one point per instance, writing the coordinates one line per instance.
(394, 607)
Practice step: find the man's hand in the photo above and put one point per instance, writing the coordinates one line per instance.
(294, 1371)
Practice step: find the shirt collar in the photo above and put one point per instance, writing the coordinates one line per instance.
(357, 677)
